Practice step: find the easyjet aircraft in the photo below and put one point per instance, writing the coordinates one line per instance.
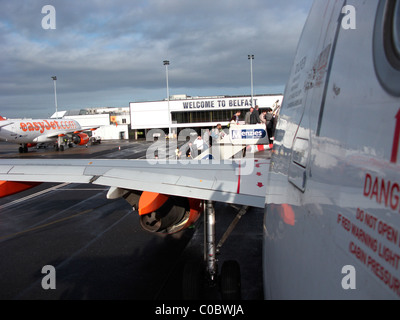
(28, 133)
(331, 191)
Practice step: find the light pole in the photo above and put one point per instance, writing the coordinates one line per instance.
(55, 94)
(166, 64)
(251, 58)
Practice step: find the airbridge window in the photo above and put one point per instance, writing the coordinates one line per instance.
(386, 45)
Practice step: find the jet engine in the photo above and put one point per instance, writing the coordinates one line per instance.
(80, 138)
(167, 214)
(159, 212)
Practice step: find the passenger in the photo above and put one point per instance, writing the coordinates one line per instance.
(248, 115)
(198, 145)
(217, 133)
(235, 118)
(262, 117)
(270, 123)
(206, 139)
(256, 117)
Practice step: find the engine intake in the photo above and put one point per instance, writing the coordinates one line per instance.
(80, 139)
(168, 217)
(159, 212)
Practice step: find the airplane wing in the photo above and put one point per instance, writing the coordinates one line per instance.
(88, 129)
(66, 132)
(229, 181)
(58, 134)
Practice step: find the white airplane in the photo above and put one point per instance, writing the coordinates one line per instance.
(29, 133)
(331, 192)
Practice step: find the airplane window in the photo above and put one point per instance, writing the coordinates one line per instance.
(386, 45)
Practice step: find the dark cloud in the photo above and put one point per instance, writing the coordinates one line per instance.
(106, 51)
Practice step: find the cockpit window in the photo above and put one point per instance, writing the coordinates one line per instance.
(386, 45)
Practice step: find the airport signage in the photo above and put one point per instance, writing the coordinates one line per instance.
(218, 103)
(248, 134)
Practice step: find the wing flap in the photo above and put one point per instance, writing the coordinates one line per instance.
(46, 170)
(132, 174)
(184, 191)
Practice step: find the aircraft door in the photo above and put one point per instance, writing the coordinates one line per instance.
(287, 235)
(315, 78)
(298, 164)
(13, 132)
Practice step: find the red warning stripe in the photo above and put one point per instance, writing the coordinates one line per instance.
(238, 186)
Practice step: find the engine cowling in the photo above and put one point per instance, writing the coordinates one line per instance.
(167, 214)
(159, 212)
(80, 138)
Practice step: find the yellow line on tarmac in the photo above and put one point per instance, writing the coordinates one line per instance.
(45, 225)
(34, 195)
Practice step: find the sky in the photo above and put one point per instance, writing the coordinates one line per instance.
(110, 53)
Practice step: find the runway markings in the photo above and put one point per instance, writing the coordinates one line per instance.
(53, 222)
(75, 254)
(33, 195)
(45, 225)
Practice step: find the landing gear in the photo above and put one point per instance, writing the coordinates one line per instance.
(59, 146)
(193, 281)
(230, 281)
(23, 149)
(198, 276)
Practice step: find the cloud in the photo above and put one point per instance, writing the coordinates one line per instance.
(102, 50)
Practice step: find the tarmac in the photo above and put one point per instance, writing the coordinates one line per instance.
(97, 247)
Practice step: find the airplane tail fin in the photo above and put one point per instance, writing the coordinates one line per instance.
(1, 118)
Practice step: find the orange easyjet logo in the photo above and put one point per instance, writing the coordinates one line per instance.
(46, 125)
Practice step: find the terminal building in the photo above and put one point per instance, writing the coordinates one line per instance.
(181, 111)
(171, 115)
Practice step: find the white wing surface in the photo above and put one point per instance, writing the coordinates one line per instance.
(240, 181)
